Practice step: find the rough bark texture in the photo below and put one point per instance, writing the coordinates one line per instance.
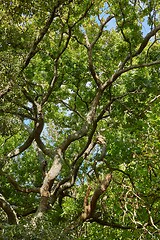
(90, 207)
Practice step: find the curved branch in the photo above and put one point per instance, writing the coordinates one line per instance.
(20, 188)
(155, 98)
(69, 181)
(109, 18)
(146, 40)
(11, 214)
(89, 208)
(57, 165)
(39, 124)
(17, 186)
(54, 80)
(142, 46)
(83, 15)
(42, 33)
(52, 84)
(112, 224)
(90, 48)
(134, 67)
(58, 154)
(119, 72)
(22, 148)
(21, 115)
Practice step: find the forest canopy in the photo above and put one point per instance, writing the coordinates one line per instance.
(79, 119)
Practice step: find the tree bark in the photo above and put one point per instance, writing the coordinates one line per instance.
(90, 207)
(11, 214)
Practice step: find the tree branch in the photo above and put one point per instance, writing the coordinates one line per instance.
(109, 18)
(39, 124)
(15, 113)
(154, 99)
(90, 46)
(42, 33)
(119, 72)
(22, 189)
(19, 188)
(89, 208)
(112, 224)
(11, 214)
(142, 46)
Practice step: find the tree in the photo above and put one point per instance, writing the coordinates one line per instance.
(80, 119)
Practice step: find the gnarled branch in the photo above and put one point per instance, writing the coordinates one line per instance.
(90, 207)
(11, 214)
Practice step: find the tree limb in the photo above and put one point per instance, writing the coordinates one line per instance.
(89, 208)
(11, 214)
(119, 72)
(42, 33)
(90, 46)
(19, 188)
(142, 46)
(112, 224)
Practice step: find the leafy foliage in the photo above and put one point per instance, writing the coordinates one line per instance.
(79, 119)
